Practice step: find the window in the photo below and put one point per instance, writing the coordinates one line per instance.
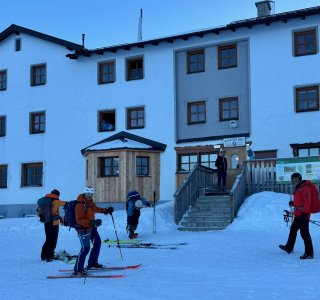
(135, 118)
(305, 42)
(3, 176)
(228, 109)
(135, 68)
(109, 166)
(32, 174)
(142, 166)
(38, 75)
(305, 150)
(3, 80)
(208, 160)
(186, 162)
(106, 72)
(197, 112)
(227, 56)
(17, 44)
(307, 99)
(2, 126)
(37, 122)
(234, 161)
(107, 120)
(195, 61)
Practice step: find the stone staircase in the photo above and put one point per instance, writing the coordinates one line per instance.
(208, 213)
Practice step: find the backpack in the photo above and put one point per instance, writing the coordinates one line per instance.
(315, 200)
(45, 210)
(69, 218)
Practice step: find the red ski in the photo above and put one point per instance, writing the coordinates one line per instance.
(108, 268)
(86, 276)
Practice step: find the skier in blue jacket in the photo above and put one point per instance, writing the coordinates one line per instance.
(134, 203)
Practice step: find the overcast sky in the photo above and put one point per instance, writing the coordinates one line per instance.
(107, 23)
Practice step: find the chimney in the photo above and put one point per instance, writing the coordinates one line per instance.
(265, 8)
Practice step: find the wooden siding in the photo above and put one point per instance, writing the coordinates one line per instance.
(115, 188)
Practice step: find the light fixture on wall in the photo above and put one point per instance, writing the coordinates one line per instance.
(233, 124)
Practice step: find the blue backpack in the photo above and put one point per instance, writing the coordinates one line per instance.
(69, 218)
(44, 210)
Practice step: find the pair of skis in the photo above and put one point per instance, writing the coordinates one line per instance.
(116, 268)
(138, 244)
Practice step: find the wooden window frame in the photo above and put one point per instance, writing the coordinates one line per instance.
(3, 176)
(304, 33)
(36, 179)
(229, 99)
(135, 64)
(189, 163)
(297, 147)
(102, 164)
(209, 163)
(3, 80)
(102, 116)
(140, 166)
(307, 89)
(105, 72)
(227, 48)
(38, 74)
(137, 119)
(34, 123)
(3, 127)
(196, 104)
(199, 58)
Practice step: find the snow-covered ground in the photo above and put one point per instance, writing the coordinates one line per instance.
(241, 262)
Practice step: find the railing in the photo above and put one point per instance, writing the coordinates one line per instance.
(261, 176)
(199, 177)
(238, 191)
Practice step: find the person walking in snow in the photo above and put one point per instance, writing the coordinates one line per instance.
(48, 211)
(301, 203)
(222, 166)
(87, 230)
(133, 205)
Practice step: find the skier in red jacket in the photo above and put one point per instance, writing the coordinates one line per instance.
(301, 203)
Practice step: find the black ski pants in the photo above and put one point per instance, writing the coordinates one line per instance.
(50, 243)
(302, 224)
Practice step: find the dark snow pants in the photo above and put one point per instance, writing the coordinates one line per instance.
(303, 225)
(50, 243)
(85, 237)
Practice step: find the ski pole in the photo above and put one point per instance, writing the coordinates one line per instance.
(115, 230)
(154, 213)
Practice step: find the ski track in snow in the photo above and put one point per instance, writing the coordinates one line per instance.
(240, 262)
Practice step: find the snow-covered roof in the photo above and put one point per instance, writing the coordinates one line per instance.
(125, 140)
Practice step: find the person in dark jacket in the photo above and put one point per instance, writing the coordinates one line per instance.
(134, 203)
(301, 203)
(222, 166)
(87, 231)
(51, 227)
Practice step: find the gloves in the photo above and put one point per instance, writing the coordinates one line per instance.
(290, 203)
(109, 210)
(148, 204)
(95, 223)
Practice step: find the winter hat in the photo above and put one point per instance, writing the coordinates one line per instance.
(55, 192)
(133, 195)
(138, 204)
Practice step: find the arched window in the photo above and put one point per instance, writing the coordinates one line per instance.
(234, 161)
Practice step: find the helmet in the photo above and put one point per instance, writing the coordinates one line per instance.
(133, 195)
(138, 204)
(88, 190)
